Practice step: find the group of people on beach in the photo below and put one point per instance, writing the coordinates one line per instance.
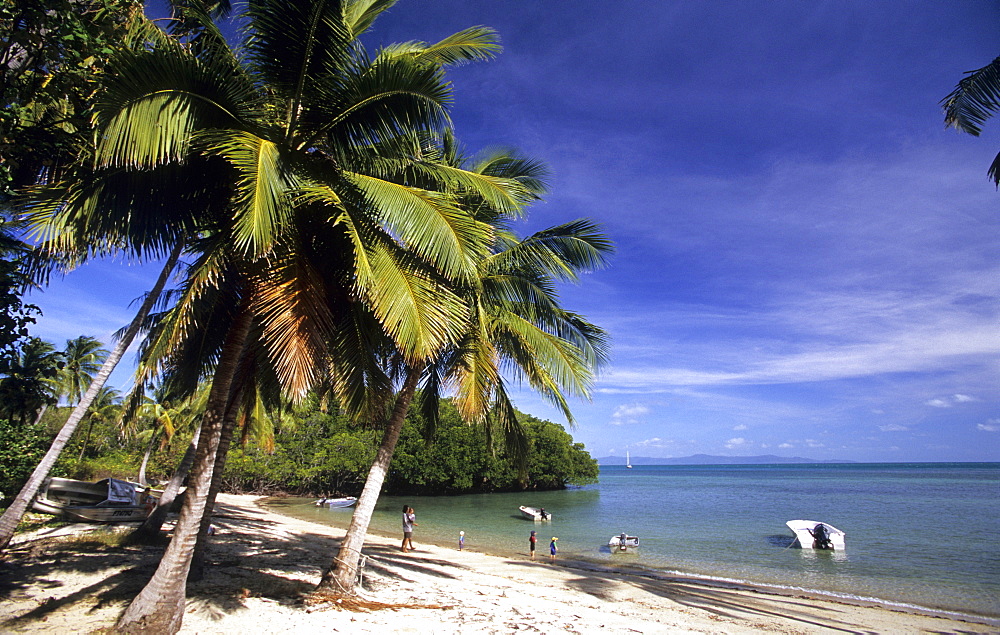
(533, 540)
(410, 520)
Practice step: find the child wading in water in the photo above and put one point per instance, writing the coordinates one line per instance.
(531, 544)
(553, 549)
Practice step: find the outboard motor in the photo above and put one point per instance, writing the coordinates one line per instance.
(821, 537)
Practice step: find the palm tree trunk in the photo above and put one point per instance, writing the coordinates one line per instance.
(145, 457)
(150, 528)
(226, 438)
(11, 517)
(159, 607)
(86, 441)
(343, 572)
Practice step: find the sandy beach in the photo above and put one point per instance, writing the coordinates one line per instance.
(262, 567)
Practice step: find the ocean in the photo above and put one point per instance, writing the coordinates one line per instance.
(919, 535)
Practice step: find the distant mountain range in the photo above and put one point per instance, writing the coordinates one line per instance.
(708, 459)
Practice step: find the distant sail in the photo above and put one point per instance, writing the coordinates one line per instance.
(628, 461)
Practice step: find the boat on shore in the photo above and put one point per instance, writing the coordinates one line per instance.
(810, 534)
(535, 513)
(343, 501)
(109, 500)
(623, 542)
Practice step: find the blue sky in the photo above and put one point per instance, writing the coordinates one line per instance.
(808, 262)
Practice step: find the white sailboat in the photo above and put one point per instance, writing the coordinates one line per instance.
(628, 461)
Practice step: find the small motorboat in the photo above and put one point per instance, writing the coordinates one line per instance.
(344, 501)
(535, 513)
(810, 534)
(623, 542)
(109, 500)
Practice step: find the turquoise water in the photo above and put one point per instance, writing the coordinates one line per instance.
(923, 535)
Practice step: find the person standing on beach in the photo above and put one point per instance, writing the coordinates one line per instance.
(461, 540)
(532, 540)
(409, 520)
(553, 549)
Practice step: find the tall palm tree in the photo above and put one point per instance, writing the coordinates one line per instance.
(975, 99)
(515, 322)
(83, 357)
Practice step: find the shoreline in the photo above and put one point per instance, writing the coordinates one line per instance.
(668, 576)
(262, 565)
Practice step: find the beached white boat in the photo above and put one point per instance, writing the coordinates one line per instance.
(810, 534)
(343, 501)
(623, 542)
(535, 513)
(107, 501)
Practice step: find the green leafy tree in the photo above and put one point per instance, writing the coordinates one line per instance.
(52, 53)
(20, 449)
(975, 99)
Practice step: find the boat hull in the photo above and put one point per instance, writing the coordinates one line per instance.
(803, 539)
(106, 501)
(618, 544)
(346, 501)
(533, 513)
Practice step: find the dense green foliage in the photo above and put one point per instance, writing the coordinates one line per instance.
(52, 52)
(317, 454)
(325, 454)
(21, 448)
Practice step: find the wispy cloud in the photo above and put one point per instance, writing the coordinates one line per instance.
(993, 425)
(629, 414)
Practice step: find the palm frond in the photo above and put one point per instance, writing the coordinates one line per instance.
(974, 100)
(474, 44)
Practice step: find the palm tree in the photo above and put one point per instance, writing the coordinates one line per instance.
(973, 101)
(515, 322)
(30, 384)
(104, 409)
(83, 356)
(263, 160)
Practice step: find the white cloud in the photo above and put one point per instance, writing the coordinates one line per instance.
(740, 427)
(938, 403)
(628, 414)
(785, 446)
(963, 398)
(655, 442)
(892, 427)
(812, 443)
(736, 443)
(993, 425)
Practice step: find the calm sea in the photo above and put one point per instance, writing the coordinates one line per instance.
(922, 535)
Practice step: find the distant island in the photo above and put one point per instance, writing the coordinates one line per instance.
(708, 459)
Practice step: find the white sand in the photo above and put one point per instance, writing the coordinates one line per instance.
(262, 565)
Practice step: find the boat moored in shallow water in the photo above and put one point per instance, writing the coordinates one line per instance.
(810, 534)
(344, 501)
(623, 542)
(535, 513)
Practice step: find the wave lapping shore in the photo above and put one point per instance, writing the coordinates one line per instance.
(262, 565)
